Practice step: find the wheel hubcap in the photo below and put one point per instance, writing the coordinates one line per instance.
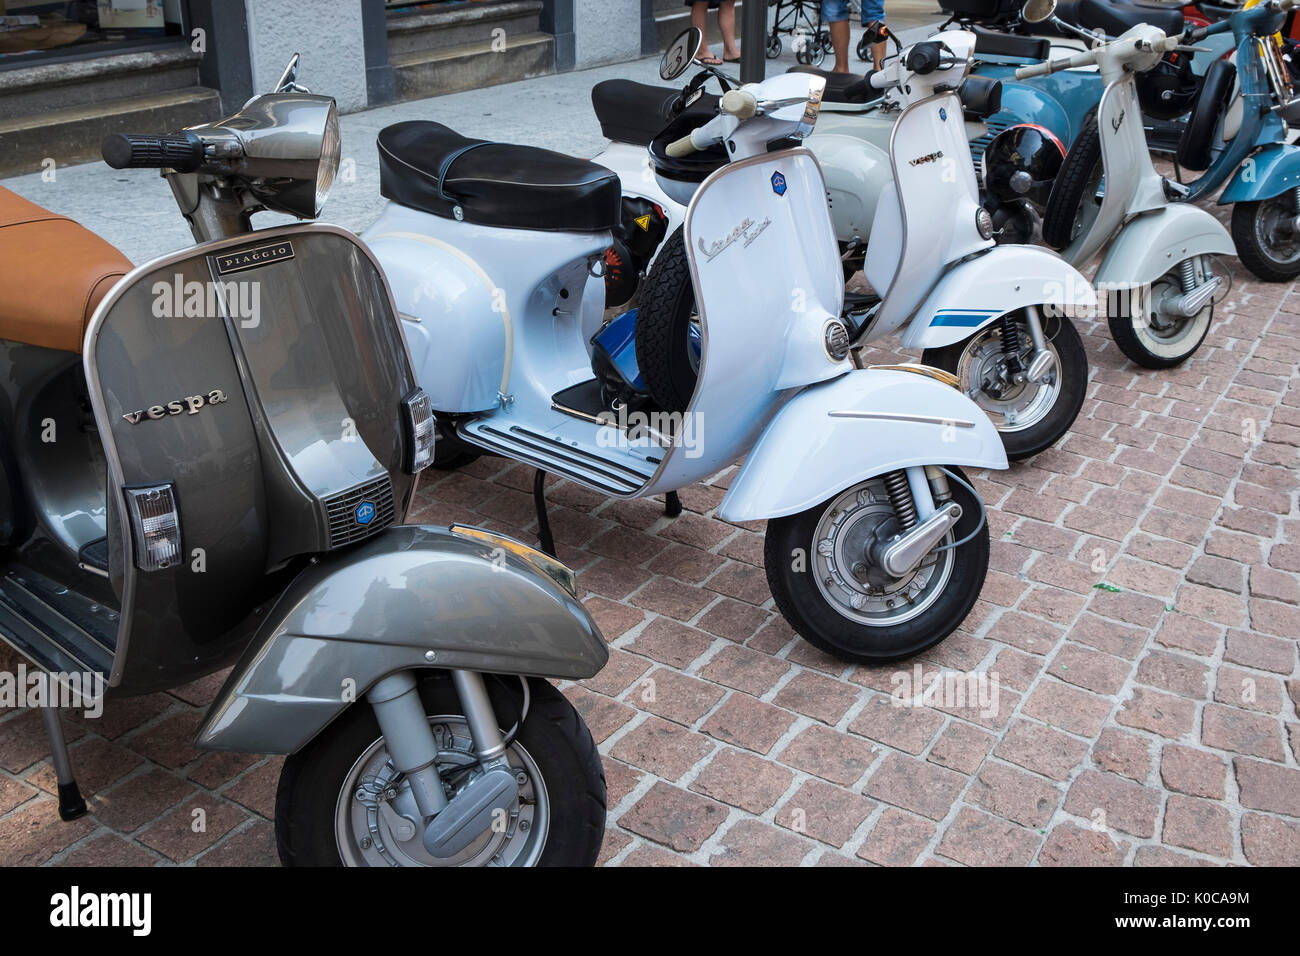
(846, 544)
(1275, 230)
(1165, 334)
(376, 821)
(986, 379)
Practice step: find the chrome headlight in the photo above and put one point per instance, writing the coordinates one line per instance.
(331, 148)
(984, 223)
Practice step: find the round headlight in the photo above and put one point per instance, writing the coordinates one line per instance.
(328, 167)
(984, 223)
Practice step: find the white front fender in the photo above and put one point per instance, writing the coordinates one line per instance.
(1153, 243)
(860, 425)
(974, 293)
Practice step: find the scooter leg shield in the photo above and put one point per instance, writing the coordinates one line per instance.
(412, 597)
(862, 424)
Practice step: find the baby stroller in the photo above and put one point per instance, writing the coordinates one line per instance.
(802, 20)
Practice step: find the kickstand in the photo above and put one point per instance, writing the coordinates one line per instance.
(672, 504)
(543, 523)
(71, 804)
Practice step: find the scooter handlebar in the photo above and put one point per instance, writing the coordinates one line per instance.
(741, 104)
(1086, 58)
(182, 152)
(680, 147)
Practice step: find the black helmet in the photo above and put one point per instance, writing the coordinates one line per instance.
(1168, 89)
(1021, 163)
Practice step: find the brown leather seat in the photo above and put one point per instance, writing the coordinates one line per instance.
(53, 273)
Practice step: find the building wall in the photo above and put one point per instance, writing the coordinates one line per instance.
(606, 31)
(328, 34)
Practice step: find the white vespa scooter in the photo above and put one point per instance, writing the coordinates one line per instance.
(994, 316)
(1157, 269)
(877, 544)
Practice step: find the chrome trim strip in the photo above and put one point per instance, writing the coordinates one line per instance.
(899, 417)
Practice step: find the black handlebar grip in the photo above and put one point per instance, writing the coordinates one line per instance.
(180, 151)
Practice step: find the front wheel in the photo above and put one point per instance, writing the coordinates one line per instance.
(340, 802)
(1267, 236)
(826, 579)
(1148, 330)
(1030, 416)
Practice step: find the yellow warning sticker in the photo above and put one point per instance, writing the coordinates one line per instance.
(643, 222)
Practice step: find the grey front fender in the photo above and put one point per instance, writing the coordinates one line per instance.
(412, 597)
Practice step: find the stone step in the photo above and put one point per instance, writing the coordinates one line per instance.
(470, 66)
(73, 134)
(462, 26)
(56, 86)
(672, 18)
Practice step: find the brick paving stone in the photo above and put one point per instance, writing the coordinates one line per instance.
(977, 839)
(602, 715)
(896, 839)
(1162, 714)
(1041, 749)
(1162, 857)
(824, 812)
(745, 670)
(139, 799)
(734, 620)
(1260, 651)
(828, 754)
(620, 780)
(674, 817)
(1069, 708)
(749, 723)
(915, 785)
(1189, 634)
(961, 747)
(1121, 752)
(1069, 844)
(906, 728)
(1239, 731)
(256, 789)
(742, 780)
(33, 834)
(662, 747)
(1266, 786)
(1110, 801)
(192, 827)
(1014, 795)
(1089, 669)
(1196, 824)
(669, 642)
(674, 696)
(108, 849)
(1270, 841)
(1194, 772)
(817, 696)
(752, 842)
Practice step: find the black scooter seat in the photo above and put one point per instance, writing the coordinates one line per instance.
(634, 113)
(1115, 16)
(842, 87)
(992, 43)
(429, 167)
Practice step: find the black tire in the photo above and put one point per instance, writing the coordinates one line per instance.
(1075, 184)
(1125, 334)
(663, 327)
(773, 47)
(1197, 141)
(1072, 373)
(802, 605)
(1254, 250)
(554, 736)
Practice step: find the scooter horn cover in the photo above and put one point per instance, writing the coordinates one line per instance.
(1022, 162)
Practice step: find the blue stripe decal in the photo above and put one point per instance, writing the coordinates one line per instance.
(965, 318)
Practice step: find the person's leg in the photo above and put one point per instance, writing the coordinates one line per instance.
(700, 19)
(873, 12)
(727, 27)
(835, 13)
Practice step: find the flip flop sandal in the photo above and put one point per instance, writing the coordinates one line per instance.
(708, 61)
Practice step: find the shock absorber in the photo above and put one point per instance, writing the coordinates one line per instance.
(900, 496)
(1295, 200)
(1011, 343)
(1187, 275)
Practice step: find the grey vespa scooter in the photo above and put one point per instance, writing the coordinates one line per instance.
(207, 459)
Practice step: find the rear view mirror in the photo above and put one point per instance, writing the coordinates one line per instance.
(680, 53)
(1036, 11)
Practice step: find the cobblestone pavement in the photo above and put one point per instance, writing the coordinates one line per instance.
(1141, 614)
